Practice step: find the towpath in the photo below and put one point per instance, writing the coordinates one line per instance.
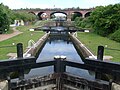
(7, 36)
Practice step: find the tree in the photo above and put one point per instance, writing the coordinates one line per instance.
(106, 20)
(4, 18)
(78, 21)
(8, 16)
(26, 17)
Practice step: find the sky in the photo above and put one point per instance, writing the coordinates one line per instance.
(17, 4)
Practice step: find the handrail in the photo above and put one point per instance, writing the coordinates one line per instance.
(94, 65)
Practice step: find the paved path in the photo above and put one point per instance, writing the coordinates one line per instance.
(7, 36)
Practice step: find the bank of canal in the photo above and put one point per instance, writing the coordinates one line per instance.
(63, 46)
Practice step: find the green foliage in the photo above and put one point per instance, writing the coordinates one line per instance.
(105, 20)
(78, 21)
(74, 16)
(24, 16)
(116, 36)
(8, 16)
(4, 18)
(82, 22)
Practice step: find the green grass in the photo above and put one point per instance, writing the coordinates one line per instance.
(92, 41)
(21, 38)
(41, 23)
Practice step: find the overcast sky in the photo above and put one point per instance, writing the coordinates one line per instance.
(16, 4)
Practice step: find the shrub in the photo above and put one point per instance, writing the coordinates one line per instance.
(4, 18)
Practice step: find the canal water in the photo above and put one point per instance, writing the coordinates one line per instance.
(59, 45)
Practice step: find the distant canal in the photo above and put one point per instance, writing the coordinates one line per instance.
(58, 45)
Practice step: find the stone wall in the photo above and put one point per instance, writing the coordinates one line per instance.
(85, 53)
(32, 51)
(82, 50)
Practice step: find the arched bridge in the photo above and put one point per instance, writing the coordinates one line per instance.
(68, 12)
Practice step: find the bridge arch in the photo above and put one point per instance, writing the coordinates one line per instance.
(87, 14)
(68, 12)
(76, 14)
(32, 13)
(42, 16)
(52, 15)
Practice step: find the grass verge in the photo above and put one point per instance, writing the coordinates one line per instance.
(7, 45)
(92, 41)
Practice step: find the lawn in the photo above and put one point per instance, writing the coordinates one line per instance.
(21, 38)
(92, 41)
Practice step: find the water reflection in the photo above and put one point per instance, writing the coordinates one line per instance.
(58, 45)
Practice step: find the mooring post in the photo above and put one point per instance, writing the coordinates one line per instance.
(100, 54)
(9, 82)
(110, 84)
(20, 55)
(59, 66)
(19, 50)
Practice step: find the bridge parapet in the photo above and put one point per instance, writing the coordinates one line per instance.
(48, 12)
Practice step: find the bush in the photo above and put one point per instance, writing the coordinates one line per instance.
(116, 36)
(105, 19)
(83, 22)
(4, 18)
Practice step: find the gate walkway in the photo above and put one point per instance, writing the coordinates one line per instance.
(7, 36)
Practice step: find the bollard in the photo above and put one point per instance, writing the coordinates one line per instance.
(59, 66)
(100, 54)
(110, 84)
(19, 50)
(20, 55)
(9, 82)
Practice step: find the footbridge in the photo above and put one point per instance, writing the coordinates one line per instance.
(70, 29)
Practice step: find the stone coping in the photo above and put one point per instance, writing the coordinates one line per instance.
(4, 85)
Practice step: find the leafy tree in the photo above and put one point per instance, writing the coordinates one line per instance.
(105, 20)
(76, 14)
(24, 16)
(8, 16)
(78, 21)
(82, 22)
(4, 18)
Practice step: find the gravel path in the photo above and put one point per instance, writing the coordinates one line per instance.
(7, 36)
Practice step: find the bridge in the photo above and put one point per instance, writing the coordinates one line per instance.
(60, 29)
(49, 12)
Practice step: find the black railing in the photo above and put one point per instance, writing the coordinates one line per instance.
(98, 66)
